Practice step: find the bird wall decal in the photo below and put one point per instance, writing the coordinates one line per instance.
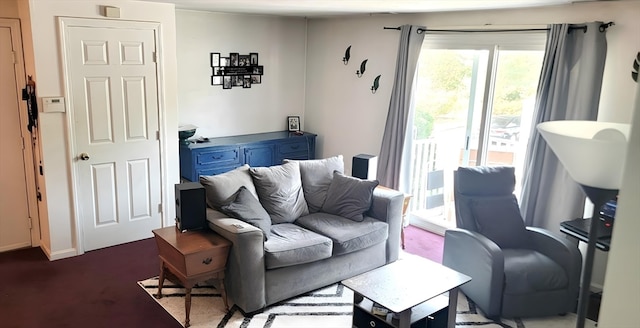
(363, 67)
(347, 55)
(376, 84)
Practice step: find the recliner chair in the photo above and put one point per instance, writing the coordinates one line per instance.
(516, 271)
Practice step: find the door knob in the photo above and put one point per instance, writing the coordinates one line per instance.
(84, 156)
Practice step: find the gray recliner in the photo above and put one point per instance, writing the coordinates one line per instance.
(516, 271)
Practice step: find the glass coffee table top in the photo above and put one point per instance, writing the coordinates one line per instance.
(406, 283)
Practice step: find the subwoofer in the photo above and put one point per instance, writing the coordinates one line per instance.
(191, 206)
(364, 166)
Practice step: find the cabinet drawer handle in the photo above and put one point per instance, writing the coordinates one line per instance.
(295, 146)
(207, 261)
(372, 323)
(217, 157)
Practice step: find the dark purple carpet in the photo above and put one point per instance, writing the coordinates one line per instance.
(423, 243)
(97, 289)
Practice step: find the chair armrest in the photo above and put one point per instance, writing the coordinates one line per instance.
(561, 251)
(481, 259)
(244, 278)
(386, 206)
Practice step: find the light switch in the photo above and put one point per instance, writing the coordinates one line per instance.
(53, 104)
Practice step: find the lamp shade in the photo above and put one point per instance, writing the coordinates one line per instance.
(592, 152)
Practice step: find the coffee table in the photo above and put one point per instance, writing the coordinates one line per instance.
(413, 288)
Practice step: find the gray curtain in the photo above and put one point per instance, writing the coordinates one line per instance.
(569, 89)
(397, 128)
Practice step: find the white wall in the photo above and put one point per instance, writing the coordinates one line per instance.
(621, 295)
(53, 126)
(280, 43)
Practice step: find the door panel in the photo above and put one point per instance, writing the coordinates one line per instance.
(14, 207)
(112, 76)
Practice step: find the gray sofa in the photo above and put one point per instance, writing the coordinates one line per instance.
(293, 254)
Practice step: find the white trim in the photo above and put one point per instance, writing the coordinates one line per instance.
(534, 40)
(64, 24)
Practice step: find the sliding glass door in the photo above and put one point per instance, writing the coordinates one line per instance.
(473, 106)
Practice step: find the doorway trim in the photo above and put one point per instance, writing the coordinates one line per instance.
(27, 138)
(66, 22)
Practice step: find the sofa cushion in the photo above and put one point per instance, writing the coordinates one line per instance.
(246, 207)
(347, 235)
(222, 187)
(280, 191)
(499, 219)
(349, 197)
(528, 271)
(316, 176)
(290, 244)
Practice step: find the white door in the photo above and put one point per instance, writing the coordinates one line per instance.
(14, 207)
(114, 105)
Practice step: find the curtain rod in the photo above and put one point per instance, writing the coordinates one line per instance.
(603, 27)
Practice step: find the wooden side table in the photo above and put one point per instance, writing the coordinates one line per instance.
(191, 257)
(405, 207)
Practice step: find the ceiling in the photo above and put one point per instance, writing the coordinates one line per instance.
(324, 8)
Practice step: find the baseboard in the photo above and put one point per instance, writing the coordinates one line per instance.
(426, 225)
(63, 254)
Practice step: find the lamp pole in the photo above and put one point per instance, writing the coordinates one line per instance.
(599, 197)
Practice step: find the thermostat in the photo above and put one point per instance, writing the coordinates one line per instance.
(53, 104)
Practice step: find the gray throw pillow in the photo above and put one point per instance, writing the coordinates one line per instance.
(220, 188)
(499, 219)
(246, 207)
(316, 175)
(349, 197)
(280, 191)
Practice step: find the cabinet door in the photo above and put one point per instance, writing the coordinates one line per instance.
(259, 155)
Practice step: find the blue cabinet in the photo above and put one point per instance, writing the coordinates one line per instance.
(219, 155)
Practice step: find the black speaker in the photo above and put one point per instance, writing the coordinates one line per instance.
(191, 206)
(364, 166)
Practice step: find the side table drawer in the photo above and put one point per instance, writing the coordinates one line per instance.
(207, 261)
(226, 155)
(293, 147)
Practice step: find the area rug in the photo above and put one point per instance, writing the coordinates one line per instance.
(329, 307)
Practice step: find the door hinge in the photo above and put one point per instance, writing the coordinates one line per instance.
(160, 208)
(13, 57)
(155, 56)
(22, 138)
(157, 135)
(30, 223)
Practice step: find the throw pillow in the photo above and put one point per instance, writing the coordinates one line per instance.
(246, 207)
(499, 219)
(349, 197)
(280, 191)
(220, 188)
(316, 175)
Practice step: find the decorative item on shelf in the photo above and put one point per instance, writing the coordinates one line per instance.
(347, 55)
(376, 84)
(185, 132)
(293, 123)
(580, 146)
(363, 67)
(236, 70)
(636, 68)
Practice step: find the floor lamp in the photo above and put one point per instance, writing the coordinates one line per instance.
(594, 154)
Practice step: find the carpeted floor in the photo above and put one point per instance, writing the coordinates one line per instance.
(329, 307)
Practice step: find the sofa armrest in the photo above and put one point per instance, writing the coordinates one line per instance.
(481, 259)
(561, 251)
(244, 279)
(386, 206)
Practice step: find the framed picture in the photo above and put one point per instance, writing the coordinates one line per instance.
(256, 79)
(233, 57)
(253, 58)
(294, 123)
(224, 61)
(246, 81)
(257, 70)
(226, 82)
(216, 80)
(243, 60)
(215, 59)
